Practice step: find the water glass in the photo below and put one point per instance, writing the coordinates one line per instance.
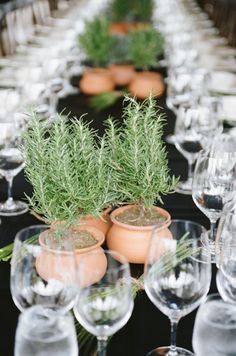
(214, 331)
(42, 332)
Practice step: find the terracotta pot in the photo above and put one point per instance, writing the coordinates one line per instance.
(122, 74)
(119, 28)
(145, 83)
(47, 261)
(123, 28)
(96, 81)
(133, 241)
(103, 224)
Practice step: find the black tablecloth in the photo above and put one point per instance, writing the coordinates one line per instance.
(147, 327)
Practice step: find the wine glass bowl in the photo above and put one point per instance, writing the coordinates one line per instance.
(177, 275)
(104, 304)
(30, 284)
(213, 186)
(196, 126)
(11, 163)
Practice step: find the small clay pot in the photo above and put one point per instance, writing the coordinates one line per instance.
(122, 74)
(46, 263)
(122, 28)
(133, 241)
(145, 83)
(103, 223)
(118, 28)
(96, 81)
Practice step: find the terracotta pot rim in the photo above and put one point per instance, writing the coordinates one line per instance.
(117, 211)
(97, 234)
(105, 212)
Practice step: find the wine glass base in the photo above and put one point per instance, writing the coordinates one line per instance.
(14, 208)
(165, 350)
(184, 187)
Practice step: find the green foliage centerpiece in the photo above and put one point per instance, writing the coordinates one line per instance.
(141, 176)
(144, 47)
(96, 42)
(66, 165)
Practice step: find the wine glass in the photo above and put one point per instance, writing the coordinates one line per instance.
(213, 186)
(214, 332)
(195, 127)
(44, 331)
(105, 301)
(11, 163)
(177, 276)
(40, 274)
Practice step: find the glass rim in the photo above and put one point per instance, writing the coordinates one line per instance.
(28, 228)
(182, 220)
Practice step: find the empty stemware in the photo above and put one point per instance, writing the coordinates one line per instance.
(104, 303)
(11, 163)
(213, 187)
(177, 276)
(42, 275)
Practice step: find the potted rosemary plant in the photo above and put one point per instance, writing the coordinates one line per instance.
(140, 178)
(66, 166)
(144, 46)
(96, 42)
(127, 15)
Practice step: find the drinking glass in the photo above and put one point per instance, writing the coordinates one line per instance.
(11, 163)
(213, 186)
(225, 233)
(195, 127)
(105, 301)
(42, 332)
(214, 332)
(177, 275)
(41, 274)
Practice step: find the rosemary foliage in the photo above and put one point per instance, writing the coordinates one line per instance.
(67, 167)
(138, 156)
(104, 100)
(96, 42)
(144, 46)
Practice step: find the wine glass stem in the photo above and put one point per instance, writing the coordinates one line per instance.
(173, 332)
(190, 170)
(212, 231)
(9, 188)
(102, 346)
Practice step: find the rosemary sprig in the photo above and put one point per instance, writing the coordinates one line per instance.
(102, 101)
(172, 258)
(6, 251)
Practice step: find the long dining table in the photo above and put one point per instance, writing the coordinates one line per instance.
(147, 327)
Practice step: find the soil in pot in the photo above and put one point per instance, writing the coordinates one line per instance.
(138, 217)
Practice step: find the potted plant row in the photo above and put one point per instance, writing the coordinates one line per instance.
(127, 15)
(120, 60)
